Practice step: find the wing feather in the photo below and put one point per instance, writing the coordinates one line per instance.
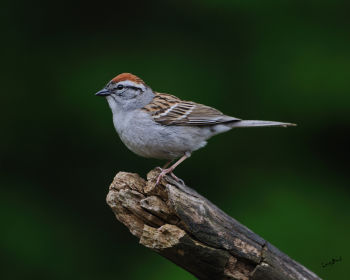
(167, 109)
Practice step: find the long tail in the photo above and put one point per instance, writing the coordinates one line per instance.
(249, 123)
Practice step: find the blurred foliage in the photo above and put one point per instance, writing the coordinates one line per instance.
(274, 60)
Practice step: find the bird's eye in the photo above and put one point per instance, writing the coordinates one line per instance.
(120, 87)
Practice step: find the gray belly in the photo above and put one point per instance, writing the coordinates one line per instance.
(166, 143)
(148, 139)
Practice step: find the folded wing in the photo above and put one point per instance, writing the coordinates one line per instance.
(167, 109)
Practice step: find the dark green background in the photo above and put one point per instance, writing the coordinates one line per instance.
(270, 60)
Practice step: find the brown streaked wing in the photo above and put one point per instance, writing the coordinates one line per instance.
(167, 109)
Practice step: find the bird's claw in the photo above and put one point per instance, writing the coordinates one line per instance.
(177, 179)
(166, 171)
(162, 173)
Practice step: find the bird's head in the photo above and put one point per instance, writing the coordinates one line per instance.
(126, 92)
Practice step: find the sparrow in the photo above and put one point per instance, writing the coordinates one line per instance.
(162, 126)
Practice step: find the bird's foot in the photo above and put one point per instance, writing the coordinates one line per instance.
(162, 173)
(177, 179)
(166, 171)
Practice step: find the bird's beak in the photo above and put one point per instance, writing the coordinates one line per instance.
(103, 92)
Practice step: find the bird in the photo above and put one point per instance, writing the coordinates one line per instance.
(163, 126)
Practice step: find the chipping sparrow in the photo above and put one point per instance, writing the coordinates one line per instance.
(162, 126)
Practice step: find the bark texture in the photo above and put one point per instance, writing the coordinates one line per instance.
(184, 227)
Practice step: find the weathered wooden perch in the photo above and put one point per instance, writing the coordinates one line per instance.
(184, 227)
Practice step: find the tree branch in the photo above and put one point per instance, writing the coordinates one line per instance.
(184, 227)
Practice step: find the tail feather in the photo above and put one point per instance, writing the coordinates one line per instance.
(251, 123)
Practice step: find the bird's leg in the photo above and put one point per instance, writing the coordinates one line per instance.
(171, 168)
(167, 164)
